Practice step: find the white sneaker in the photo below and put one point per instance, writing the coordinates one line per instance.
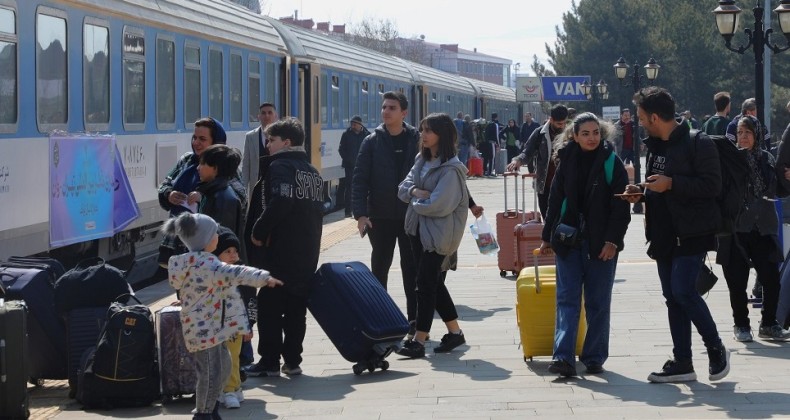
(231, 401)
(239, 395)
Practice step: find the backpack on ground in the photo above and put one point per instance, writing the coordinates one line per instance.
(734, 179)
(91, 283)
(121, 370)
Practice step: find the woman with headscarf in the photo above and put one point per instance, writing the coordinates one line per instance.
(755, 242)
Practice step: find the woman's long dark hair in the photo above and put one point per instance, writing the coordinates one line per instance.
(443, 126)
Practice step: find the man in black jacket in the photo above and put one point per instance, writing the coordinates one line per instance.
(681, 221)
(384, 160)
(350, 142)
(286, 239)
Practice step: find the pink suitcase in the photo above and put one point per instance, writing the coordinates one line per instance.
(506, 222)
(527, 235)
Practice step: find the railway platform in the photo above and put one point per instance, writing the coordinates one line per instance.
(488, 378)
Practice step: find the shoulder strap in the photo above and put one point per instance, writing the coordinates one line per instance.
(608, 168)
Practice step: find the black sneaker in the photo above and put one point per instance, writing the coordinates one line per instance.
(562, 368)
(291, 370)
(674, 371)
(412, 349)
(719, 359)
(449, 342)
(594, 368)
(259, 369)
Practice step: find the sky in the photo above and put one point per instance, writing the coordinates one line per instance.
(515, 29)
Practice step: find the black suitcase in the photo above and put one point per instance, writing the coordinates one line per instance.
(56, 266)
(83, 328)
(13, 369)
(357, 314)
(177, 373)
(46, 330)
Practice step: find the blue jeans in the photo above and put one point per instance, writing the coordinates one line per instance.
(684, 305)
(463, 152)
(577, 274)
(213, 368)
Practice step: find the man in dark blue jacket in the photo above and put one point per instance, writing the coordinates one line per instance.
(681, 221)
(287, 211)
(384, 160)
(350, 142)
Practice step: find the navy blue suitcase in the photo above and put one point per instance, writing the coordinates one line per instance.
(52, 264)
(46, 330)
(83, 328)
(13, 369)
(357, 314)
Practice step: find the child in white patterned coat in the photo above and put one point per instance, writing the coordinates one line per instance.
(211, 309)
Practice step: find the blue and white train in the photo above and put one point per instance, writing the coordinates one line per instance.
(145, 70)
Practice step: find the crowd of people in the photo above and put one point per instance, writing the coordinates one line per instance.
(406, 185)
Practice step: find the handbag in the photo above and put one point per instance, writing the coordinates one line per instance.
(566, 235)
(706, 279)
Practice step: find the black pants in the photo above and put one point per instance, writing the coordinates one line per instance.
(344, 190)
(736, 272)
(543, 202)
(382, 238)
(432, 293)
(488, 151)
(282, 322)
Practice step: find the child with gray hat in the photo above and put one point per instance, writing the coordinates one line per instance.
(211, 310)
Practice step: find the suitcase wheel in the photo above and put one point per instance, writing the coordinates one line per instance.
(358, 369)
(370, 366)
(502, 273)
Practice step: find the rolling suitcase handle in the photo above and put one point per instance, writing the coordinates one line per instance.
(535, 253)
(524, 196)
(510, 213)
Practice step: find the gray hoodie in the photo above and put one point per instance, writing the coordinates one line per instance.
(441, 217)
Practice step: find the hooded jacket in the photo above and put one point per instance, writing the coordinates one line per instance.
(226, 202)
(350, 142)
(606, 217)
(212, 311)
(376, 179)
(287, 216)
(441, 218)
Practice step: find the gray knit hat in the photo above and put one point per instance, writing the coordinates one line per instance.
(194, 230)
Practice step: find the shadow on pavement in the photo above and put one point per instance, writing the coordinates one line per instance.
(467, 313)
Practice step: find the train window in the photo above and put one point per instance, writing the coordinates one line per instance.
(354, 104)
(381, 88)
(165, 83)
(236, 115)
(193, 95)
(51, 75)
(433, 96)
(8, 76)
(271, 82)
(215, 79)
(96, 76)
(335, 101)
(448, 99)
(346, 115)
(364, 102)
(133, 79)
(254, 88)
(324, 87)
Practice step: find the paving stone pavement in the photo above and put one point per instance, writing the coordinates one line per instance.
(488, 378)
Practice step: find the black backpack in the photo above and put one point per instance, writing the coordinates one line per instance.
(121, 370)
(91, 283)
(734, 179)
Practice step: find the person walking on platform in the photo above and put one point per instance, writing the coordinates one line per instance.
(624, 141)
(350, 142)
(511, 139)
(463, 136)
(755, 242)
(436, 192)
(582, 197)
(384, 160)
(527, 128)
(492, 135)
(681, 221)
(537, 153)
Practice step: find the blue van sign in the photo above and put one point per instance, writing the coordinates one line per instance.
(564, 88)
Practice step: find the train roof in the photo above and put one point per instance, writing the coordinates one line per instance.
(314, 46)
(439, 78)
(222, 21)
(492, 90)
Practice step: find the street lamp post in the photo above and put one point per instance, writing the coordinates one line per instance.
(601, 91)
(621, 71)
(728, 21)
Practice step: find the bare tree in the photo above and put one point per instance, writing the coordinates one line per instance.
(377, 34)
(253, 5)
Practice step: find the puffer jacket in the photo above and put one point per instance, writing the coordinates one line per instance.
(212, 311)
(441, 218)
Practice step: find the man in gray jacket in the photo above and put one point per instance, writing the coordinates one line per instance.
(255, 147)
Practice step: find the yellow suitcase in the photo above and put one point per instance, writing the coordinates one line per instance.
(536, 312)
